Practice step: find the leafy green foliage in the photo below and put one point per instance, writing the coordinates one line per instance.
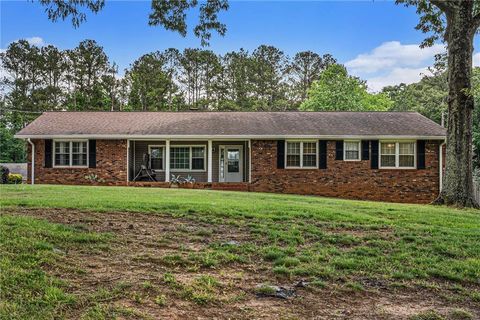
(151, 83)
(73, 9)
(172, 16)
(429, 97)
(336, 90)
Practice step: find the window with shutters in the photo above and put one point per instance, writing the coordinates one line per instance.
(397, 154)
(70, 153)
(301, 154)
(187, 158)
(351, 150)
(157, 155)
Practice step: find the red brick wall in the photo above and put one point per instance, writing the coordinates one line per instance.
(111, 165)
(345, 179)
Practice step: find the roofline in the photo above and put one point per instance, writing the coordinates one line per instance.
(207, 137)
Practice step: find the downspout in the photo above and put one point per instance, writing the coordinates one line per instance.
(128, 161)
(33, 161)
(440, 177)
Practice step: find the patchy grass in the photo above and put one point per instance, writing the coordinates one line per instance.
(28, 247)
(348, 247)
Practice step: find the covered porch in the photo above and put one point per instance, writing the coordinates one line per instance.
(207, 162)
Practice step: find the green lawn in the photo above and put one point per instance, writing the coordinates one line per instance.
(330, 241)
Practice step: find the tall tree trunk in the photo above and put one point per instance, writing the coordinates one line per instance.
(458, 183)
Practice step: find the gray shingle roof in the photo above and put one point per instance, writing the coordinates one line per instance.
(275, 124)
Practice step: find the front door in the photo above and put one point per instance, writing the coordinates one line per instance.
(231, 164)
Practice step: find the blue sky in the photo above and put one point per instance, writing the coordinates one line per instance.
(375, 39)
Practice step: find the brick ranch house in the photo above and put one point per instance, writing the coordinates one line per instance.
(388, 156)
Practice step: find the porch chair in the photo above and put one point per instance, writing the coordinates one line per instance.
(145, 170)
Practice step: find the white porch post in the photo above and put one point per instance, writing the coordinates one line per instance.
(210, 161)
(250, 160)
(167, 161)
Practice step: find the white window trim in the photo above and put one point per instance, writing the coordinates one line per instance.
(359, 142)
(397, 154)
(150, 146)
(190, 158)
(301, 154)
(71, 153)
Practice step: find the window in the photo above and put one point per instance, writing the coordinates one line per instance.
(397, 154)
(156, 157)
(351, 150)
(406, 154)
(198, 158)
(388, 154)
(180, 158)
(233, 160)
(309, 154)
(293, 154)
(301, 154)
(187, 158)
(70, 153)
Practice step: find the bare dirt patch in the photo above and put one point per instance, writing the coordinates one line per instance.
(158, 267)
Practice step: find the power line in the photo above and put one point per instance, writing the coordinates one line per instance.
(19, 110)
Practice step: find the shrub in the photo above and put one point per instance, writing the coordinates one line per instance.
(14, 178)
(4, 174)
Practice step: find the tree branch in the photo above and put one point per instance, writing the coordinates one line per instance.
(476, 21)
(444, 6)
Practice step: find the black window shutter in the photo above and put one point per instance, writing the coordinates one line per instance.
(421, 154)
(365, 150)
(48, 153)
(280, 154)
(339, 150)
(322, 154)
(92, 153)
(374, 160)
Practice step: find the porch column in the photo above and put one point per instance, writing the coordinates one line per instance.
(250, 160)
(210, 161)
(167, 160)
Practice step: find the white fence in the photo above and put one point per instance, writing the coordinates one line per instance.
(476, 191)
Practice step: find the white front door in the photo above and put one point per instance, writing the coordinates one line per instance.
(231, 164)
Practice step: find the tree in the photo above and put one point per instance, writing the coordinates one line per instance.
(267, 76)
(428, 96)
(150, 84)
(335, 90)
(169, 14)
(87, 64)
(22, 65)
(236, 85)
(306, 68)
(456, 23)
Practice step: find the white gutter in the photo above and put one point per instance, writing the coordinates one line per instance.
(231, 137)
(440, 169)
(128, 160)
(33, 161)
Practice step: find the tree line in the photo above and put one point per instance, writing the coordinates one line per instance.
(84, 79)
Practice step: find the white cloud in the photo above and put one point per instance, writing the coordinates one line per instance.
(36, 41)
(476, 60)
(393, 54)
(396, 76)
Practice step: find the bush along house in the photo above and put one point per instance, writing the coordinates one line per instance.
(388, 156)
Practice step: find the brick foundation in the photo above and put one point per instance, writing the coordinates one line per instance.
(345, 179)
